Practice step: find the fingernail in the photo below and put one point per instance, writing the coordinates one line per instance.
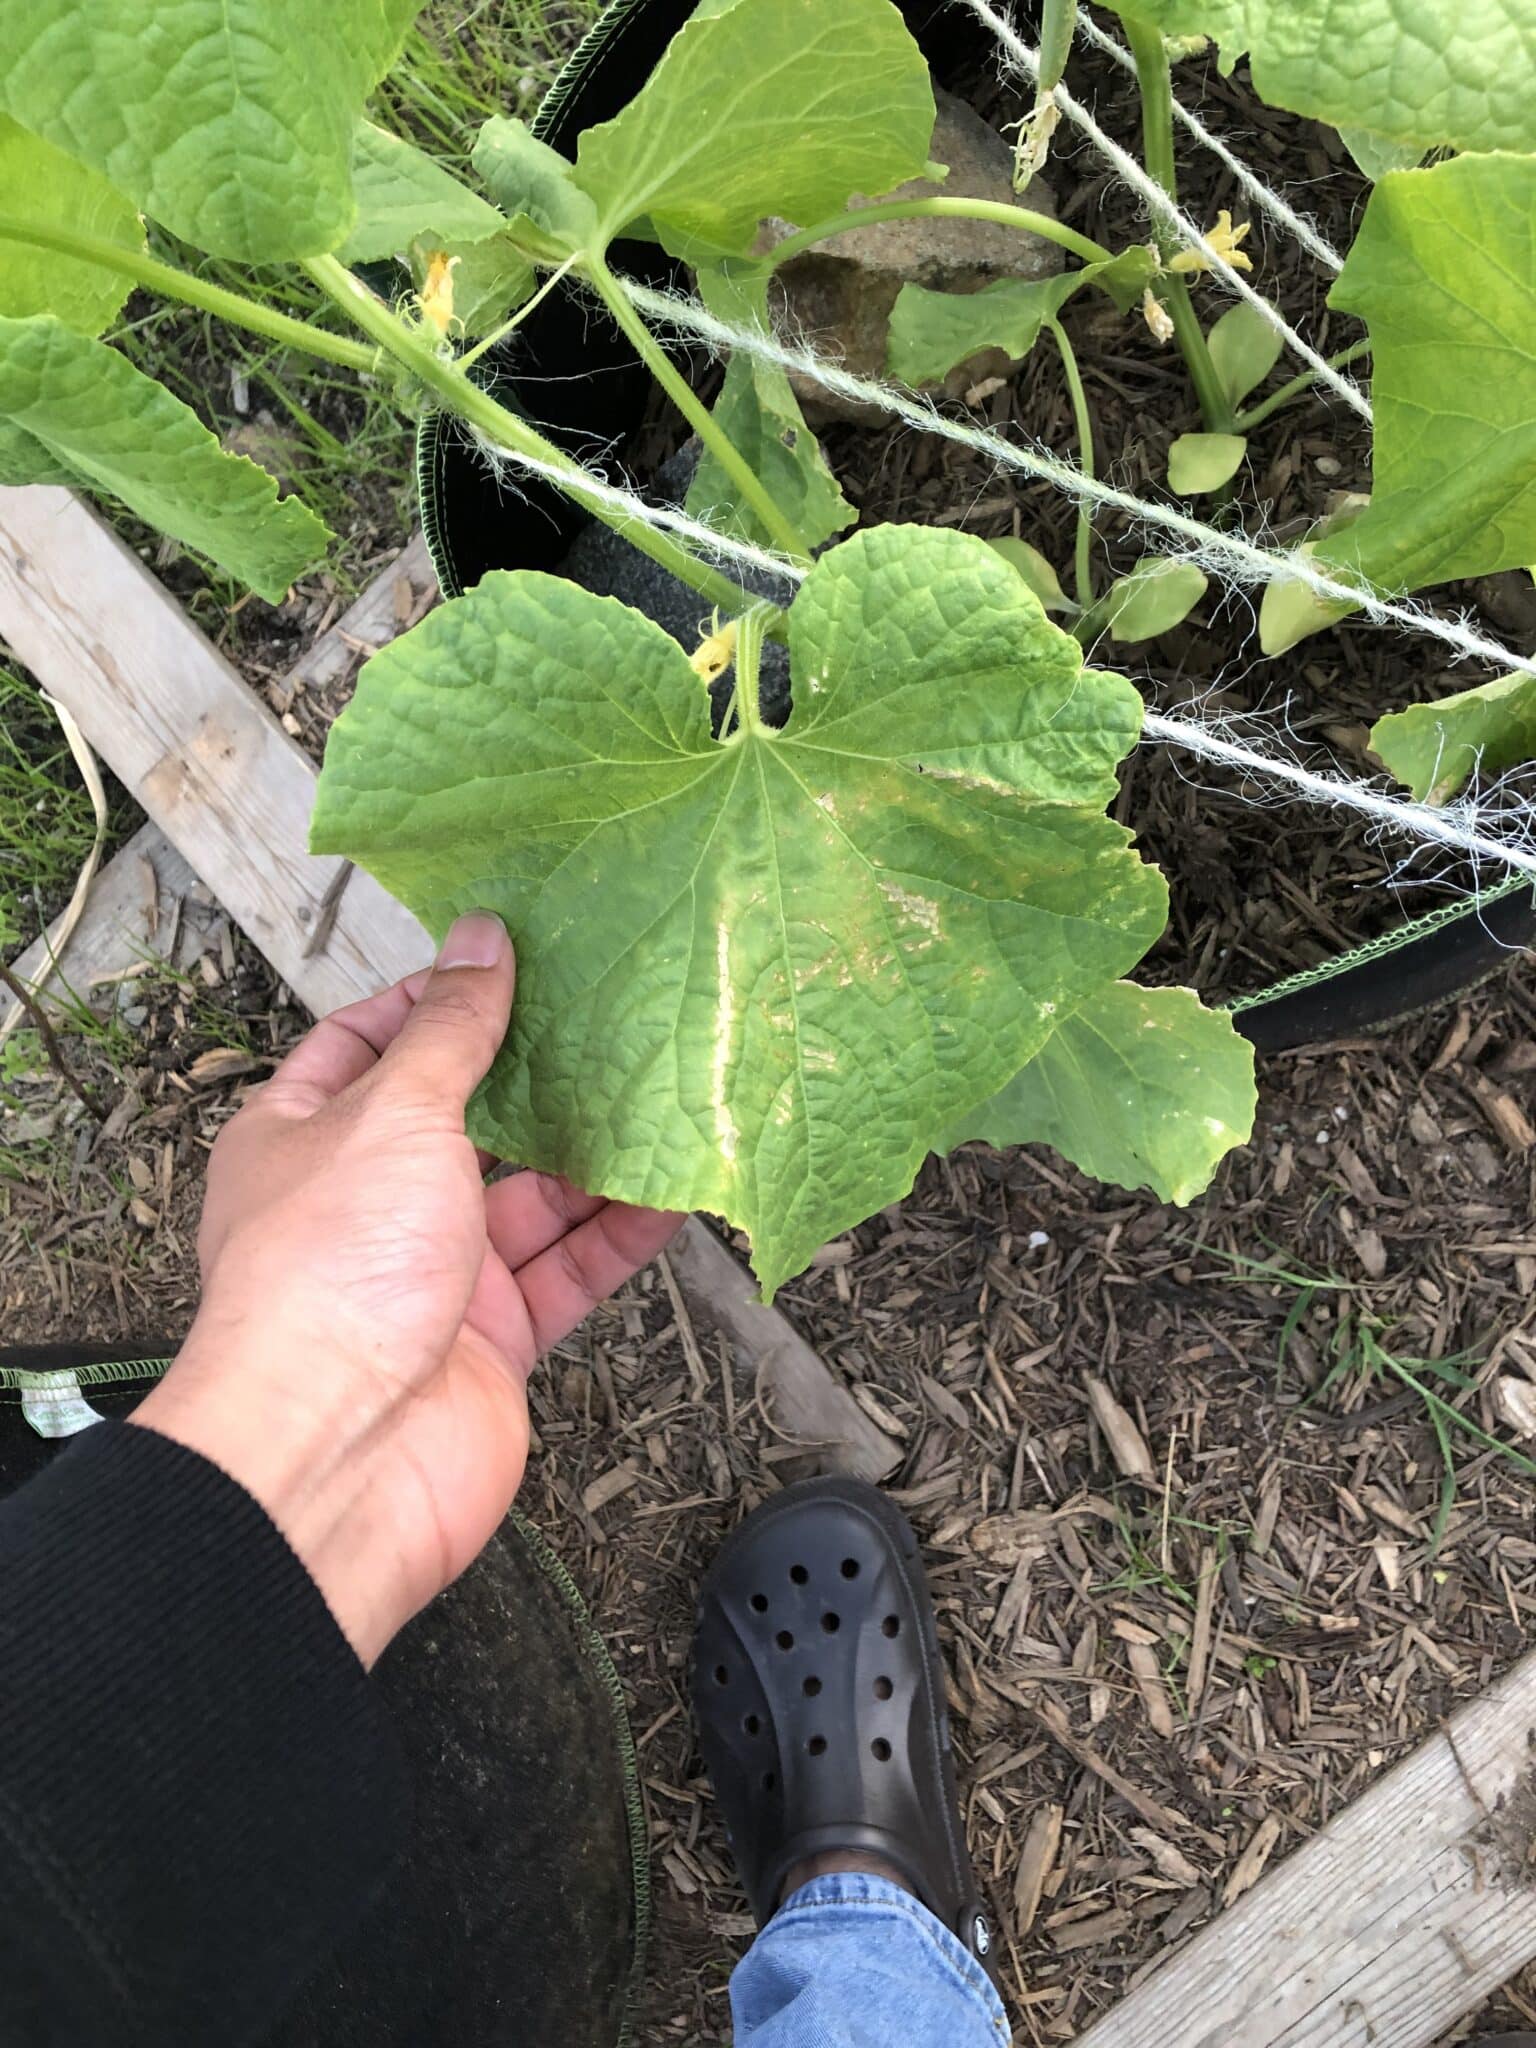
(478, 939)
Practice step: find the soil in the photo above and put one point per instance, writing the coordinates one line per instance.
(1389, 1188)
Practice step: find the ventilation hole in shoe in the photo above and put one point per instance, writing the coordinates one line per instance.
(784, 1639)
(880, 1750)
(769, 1781)
(831, 1623)
(891, 1626)
(883, 1688)
(751, 1724)
(759, 1603)
(850, 1567)
(811, 1688)
(799, 1574)
(817, 1746)
(722, 1676)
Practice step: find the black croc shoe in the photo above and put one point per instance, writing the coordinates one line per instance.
(819, 1693)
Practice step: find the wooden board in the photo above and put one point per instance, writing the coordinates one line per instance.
(186, 736)
(233, 796)
(1404, 1913)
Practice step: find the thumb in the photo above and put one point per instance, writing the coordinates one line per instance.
(460, 1018)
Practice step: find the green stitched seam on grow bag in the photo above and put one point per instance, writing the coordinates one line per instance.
(1374, 949)
(15, 1379)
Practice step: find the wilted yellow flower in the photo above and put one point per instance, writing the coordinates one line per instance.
(436, 298)
(715, 653)
(1225, 239)
(1155, 313)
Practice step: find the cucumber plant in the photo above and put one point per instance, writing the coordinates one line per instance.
(763, 970)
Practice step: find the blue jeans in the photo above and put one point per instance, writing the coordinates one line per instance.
(856, 1962)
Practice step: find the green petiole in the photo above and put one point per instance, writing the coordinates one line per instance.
(1023, 218)
(1245, 422)
(1083, 552)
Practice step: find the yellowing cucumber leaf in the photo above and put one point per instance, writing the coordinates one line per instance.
(1427, 71)
(230, 122)
(759, 107)
(92, 418)
(759, 976)
(1244, 349)
(1443, 270)
(1154, 597)
(759, 411)
(43, 187)
(1141, 1086)
(1436, 748)
(534, 185)
(931, 332)
(404, 196)
(1291, 610)
(1203, 462)
(1036, 571)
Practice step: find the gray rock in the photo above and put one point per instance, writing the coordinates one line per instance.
(840, 295)
(608, 565)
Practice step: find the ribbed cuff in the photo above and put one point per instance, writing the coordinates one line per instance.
(198, 1789)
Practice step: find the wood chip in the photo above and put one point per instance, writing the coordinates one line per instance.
(1508, 1119)
(609, 1487)
(1168, 1861)
(1037, 1859)
(1149, 1683)
(1249, 1867)
(1514, 1402)
(1127, 1446)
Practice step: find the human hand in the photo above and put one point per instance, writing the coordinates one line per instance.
(371, 1310)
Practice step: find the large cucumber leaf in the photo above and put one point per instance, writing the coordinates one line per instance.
(760, 107)
(229, 121)
(1436, 748)
(931, 332)
(760, 976)
(758, 409)
(73, 410)
(402, 194)
(1444, 272)
(534, 185)
(42, 186)
(1141, 1086)
(1419, 71)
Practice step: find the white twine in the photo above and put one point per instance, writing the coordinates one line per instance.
(1019, 57)
(1296, 223)
(1227, 554)
(1455, 826)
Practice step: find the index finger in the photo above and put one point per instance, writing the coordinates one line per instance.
(344, 1046)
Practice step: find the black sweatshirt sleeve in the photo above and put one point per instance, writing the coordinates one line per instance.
(198, 1789)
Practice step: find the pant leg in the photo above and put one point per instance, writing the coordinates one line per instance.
(856, 1962)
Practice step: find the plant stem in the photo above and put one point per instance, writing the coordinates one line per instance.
(749, 654)
(50, 1044)
(1022, 217)
(499, 334)
(192, 291)
(1245, 422)
(462, 396)
(1083, 560)
(754, 491)
(1156, 86)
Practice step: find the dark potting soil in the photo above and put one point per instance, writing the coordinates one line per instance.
(1262, 886)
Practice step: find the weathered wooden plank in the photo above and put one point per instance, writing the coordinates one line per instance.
(1403, 1914)
(799, 1391)
(135, 912)
(182, 731)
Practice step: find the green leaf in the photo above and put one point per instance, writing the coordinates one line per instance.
(1436, 748)
(1374, 155)
(535, 185)
(759, 411)
(931, 332)
(1244, 349)
(403, 197)
(1461, 72)
(1444, 272)
(759, 107)
(1036, 571)
(1204, 462)
(1155, 596)
(1291, 611)
(230, 122)
(758, 976)
(42, 186)
(1141, 1086)
(88, 412)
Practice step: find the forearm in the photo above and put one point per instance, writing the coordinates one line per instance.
(197, 1790)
